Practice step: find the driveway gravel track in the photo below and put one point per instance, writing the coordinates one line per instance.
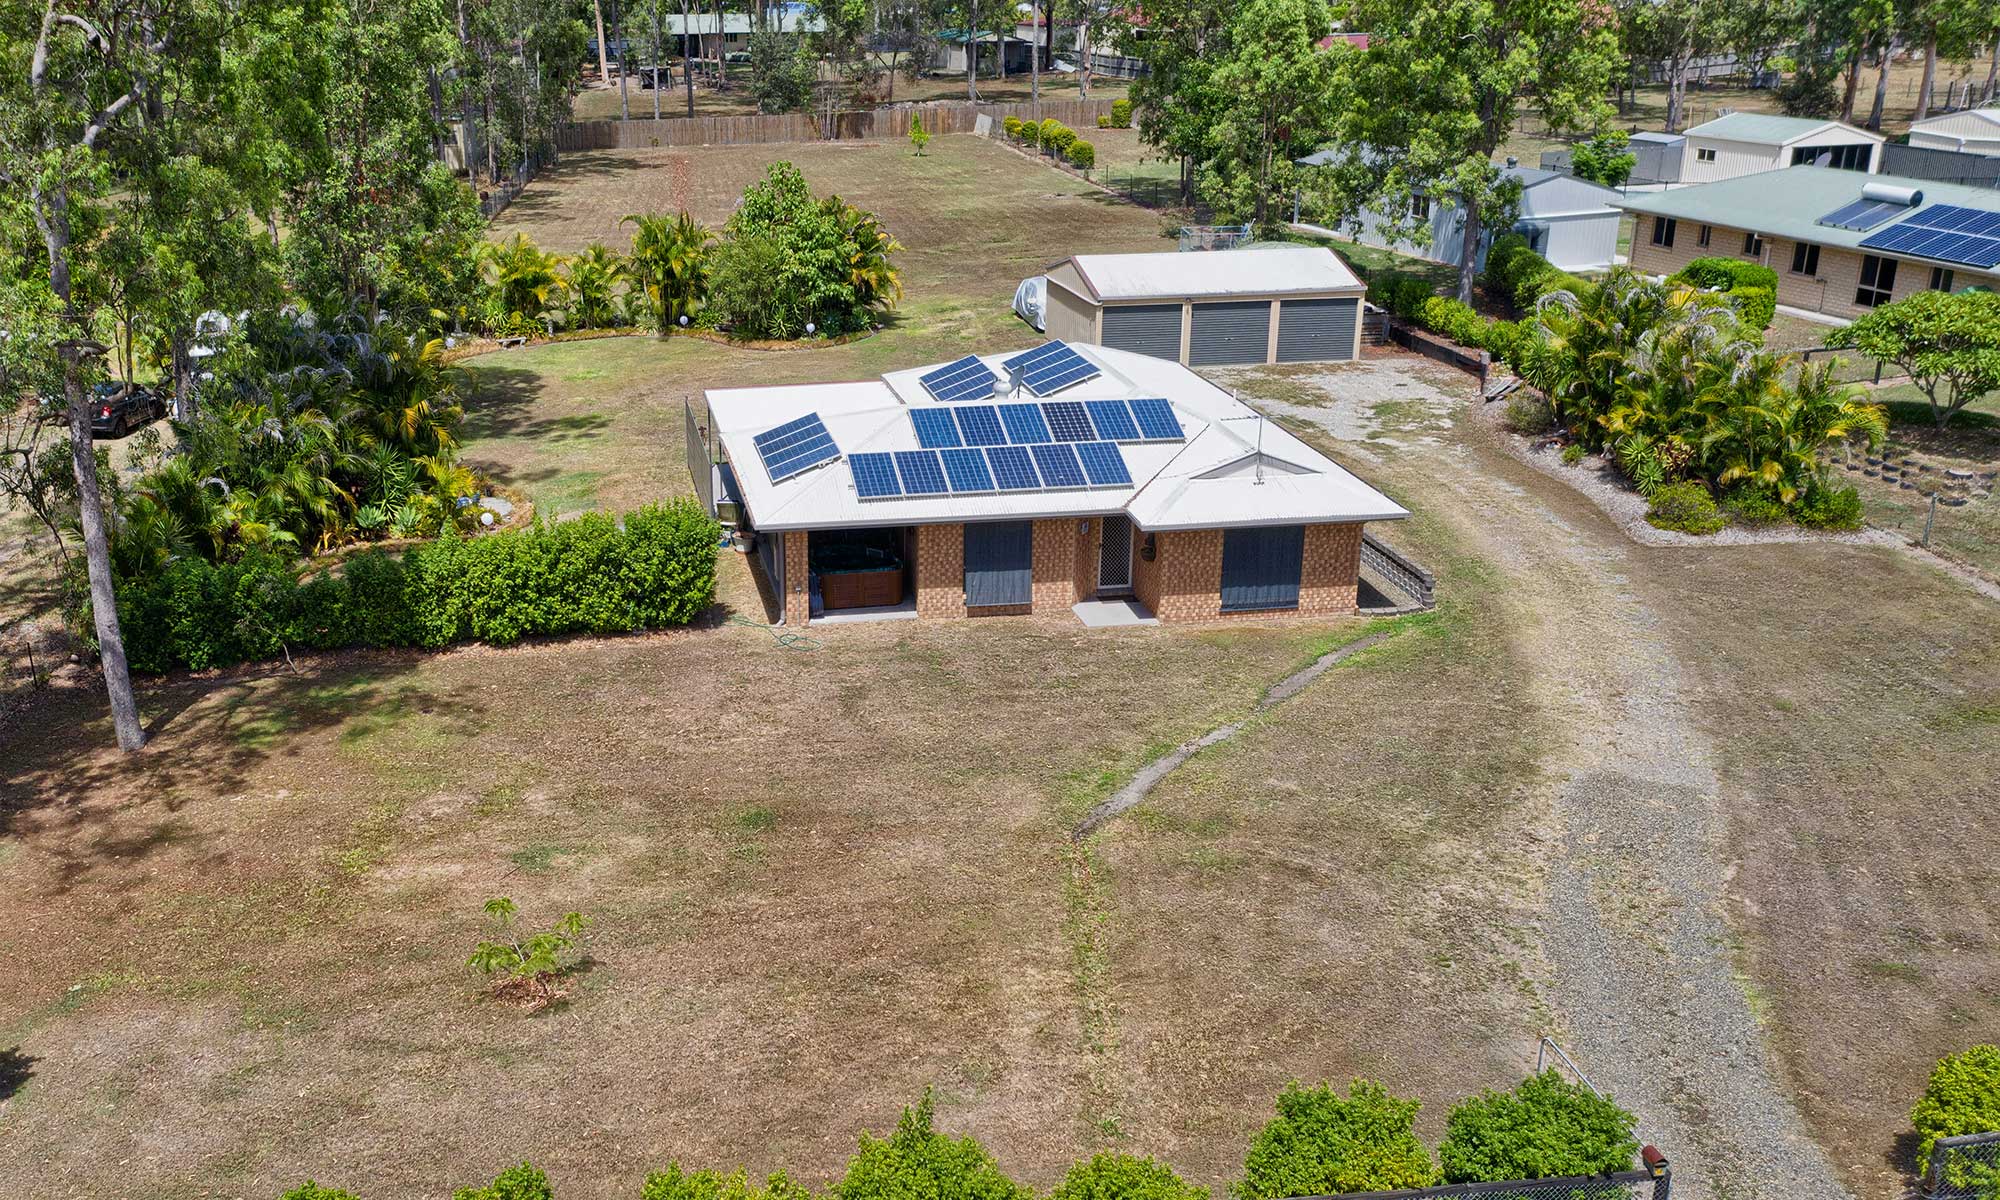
(1638, 960)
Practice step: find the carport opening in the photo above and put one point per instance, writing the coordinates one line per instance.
(862, 570)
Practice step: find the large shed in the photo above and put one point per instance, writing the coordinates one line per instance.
(1257, 304)
(1973, 131)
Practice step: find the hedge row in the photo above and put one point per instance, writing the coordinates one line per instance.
(1120, 117)
(589, 575)
(1411, 298)
(1515, 271)
(1752, 288)
(1057, 138)
(1318, 1143)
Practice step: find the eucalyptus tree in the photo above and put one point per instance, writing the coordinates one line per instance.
(1437, 92)
(1176, 98)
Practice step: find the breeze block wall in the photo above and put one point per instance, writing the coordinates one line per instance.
(798, 578)
(941, 570)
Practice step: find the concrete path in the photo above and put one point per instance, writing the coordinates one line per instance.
(1638, 962)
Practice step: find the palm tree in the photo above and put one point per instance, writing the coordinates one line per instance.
(670, 259)
(589, 281)
(875, 282)
(1770, 418)
(523, 275)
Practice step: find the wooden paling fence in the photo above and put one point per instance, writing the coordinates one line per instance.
(862, 125)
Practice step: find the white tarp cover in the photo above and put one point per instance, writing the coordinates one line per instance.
(1030, 299)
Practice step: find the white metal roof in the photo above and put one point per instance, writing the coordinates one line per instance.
(1234, 469)
(1255, 270)
(1770, 129)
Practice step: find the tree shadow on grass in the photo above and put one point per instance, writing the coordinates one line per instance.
(16, 1068)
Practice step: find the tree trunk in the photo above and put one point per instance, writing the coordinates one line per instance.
(1000, 49)
(1881, 84)
(721, 53)
(971, 57)
(687, 58)
(1853, 88)
(1083, 59)
(51, 213)
(1992, 73)
(1929, 80)
(624, 94)
(1035, 61)
(1469, 252)
(183, 367)
(603, 48)
(655, 67)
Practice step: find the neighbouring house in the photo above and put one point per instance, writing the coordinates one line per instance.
(1744, 143)
(1035, 482)
(986, 44)
(1263, 303)
(1974, 131)
(701, 29)
(1569, 221)
(1656, 159)
(1841, 243)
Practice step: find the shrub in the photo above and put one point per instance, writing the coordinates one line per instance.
(1103, 122)
(1453, 319)
(1823, 506)
(1606, 159)
(1121, 114)
(1111, 1176)
(525, 1182)
(1046, 132)
(1543, 278)
(1546, 1128)
(1753, 505)
(529, 965)
(313, 1191)
(1322, 1143)
(1503, 263)
(1963, 1096)
(918, 1163)
(1400, 294)
(1641, 464)
(1528, 413)
(1572, 454)
(673, 1184)
(1688, 508)
(1082, 155)
(1012, 125)
(1755, 306)
(919, 136)
(1723, 274)
(582, 576)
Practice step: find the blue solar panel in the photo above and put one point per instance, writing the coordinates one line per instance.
(874, 476)
(1057, 461)
(967, 470)
(935, 428)
(1113, 420)
(1050, 368)
(1069, 422)
(1013, 470)
(1946, 232)
(980, 426)
(1156, 421)
(922, 476)
(1024, 423)
(794, 447)
(1863, 214)
(1104, 462)
(966, 379)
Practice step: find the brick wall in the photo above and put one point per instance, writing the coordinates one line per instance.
(1184, 582)
(940, 570)
(1332, 570)
(1084, 568)
(1830, 291)
(798, 579)
(1187, 566)
(1055, 564)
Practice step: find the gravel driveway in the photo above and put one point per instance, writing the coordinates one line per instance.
(1638, 959)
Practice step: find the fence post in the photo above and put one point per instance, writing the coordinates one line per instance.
(1661, 1171)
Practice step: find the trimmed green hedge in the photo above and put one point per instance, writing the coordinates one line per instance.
(1082, 155)
(1724, 274)
(1523, 276)
(1412, 299)
(1121, 114)
(583, 576)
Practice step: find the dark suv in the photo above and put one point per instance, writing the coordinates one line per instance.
(116, 409)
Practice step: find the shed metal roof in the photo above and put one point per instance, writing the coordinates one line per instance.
(1234, 469)
(1255, 270)
(1789, 203)
(1770, 129)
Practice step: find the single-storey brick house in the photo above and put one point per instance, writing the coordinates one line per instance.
(1031, 482)
(1841, 242)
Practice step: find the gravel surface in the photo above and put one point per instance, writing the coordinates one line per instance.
(1637, 958)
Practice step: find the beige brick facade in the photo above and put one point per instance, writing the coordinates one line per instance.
(940, 570)
(1830, 290)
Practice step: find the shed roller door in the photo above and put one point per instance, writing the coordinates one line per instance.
(1153, 329)
(1230, 333)
(999, 563)
(1317, 330)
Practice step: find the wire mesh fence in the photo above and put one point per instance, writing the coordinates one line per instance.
(1653, 1182)
(1964, 1168)
(1852, 366)
(1949, 509)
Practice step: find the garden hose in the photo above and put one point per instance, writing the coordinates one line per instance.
(790, 641)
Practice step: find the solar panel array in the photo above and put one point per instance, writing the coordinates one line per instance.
(1968, 236)
(1047, 421)
(961, 470)
(1863, 214)
(966, 379)
(1051, 367)
(795, 446)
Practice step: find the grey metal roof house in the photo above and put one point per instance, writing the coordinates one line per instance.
(1745, 143)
